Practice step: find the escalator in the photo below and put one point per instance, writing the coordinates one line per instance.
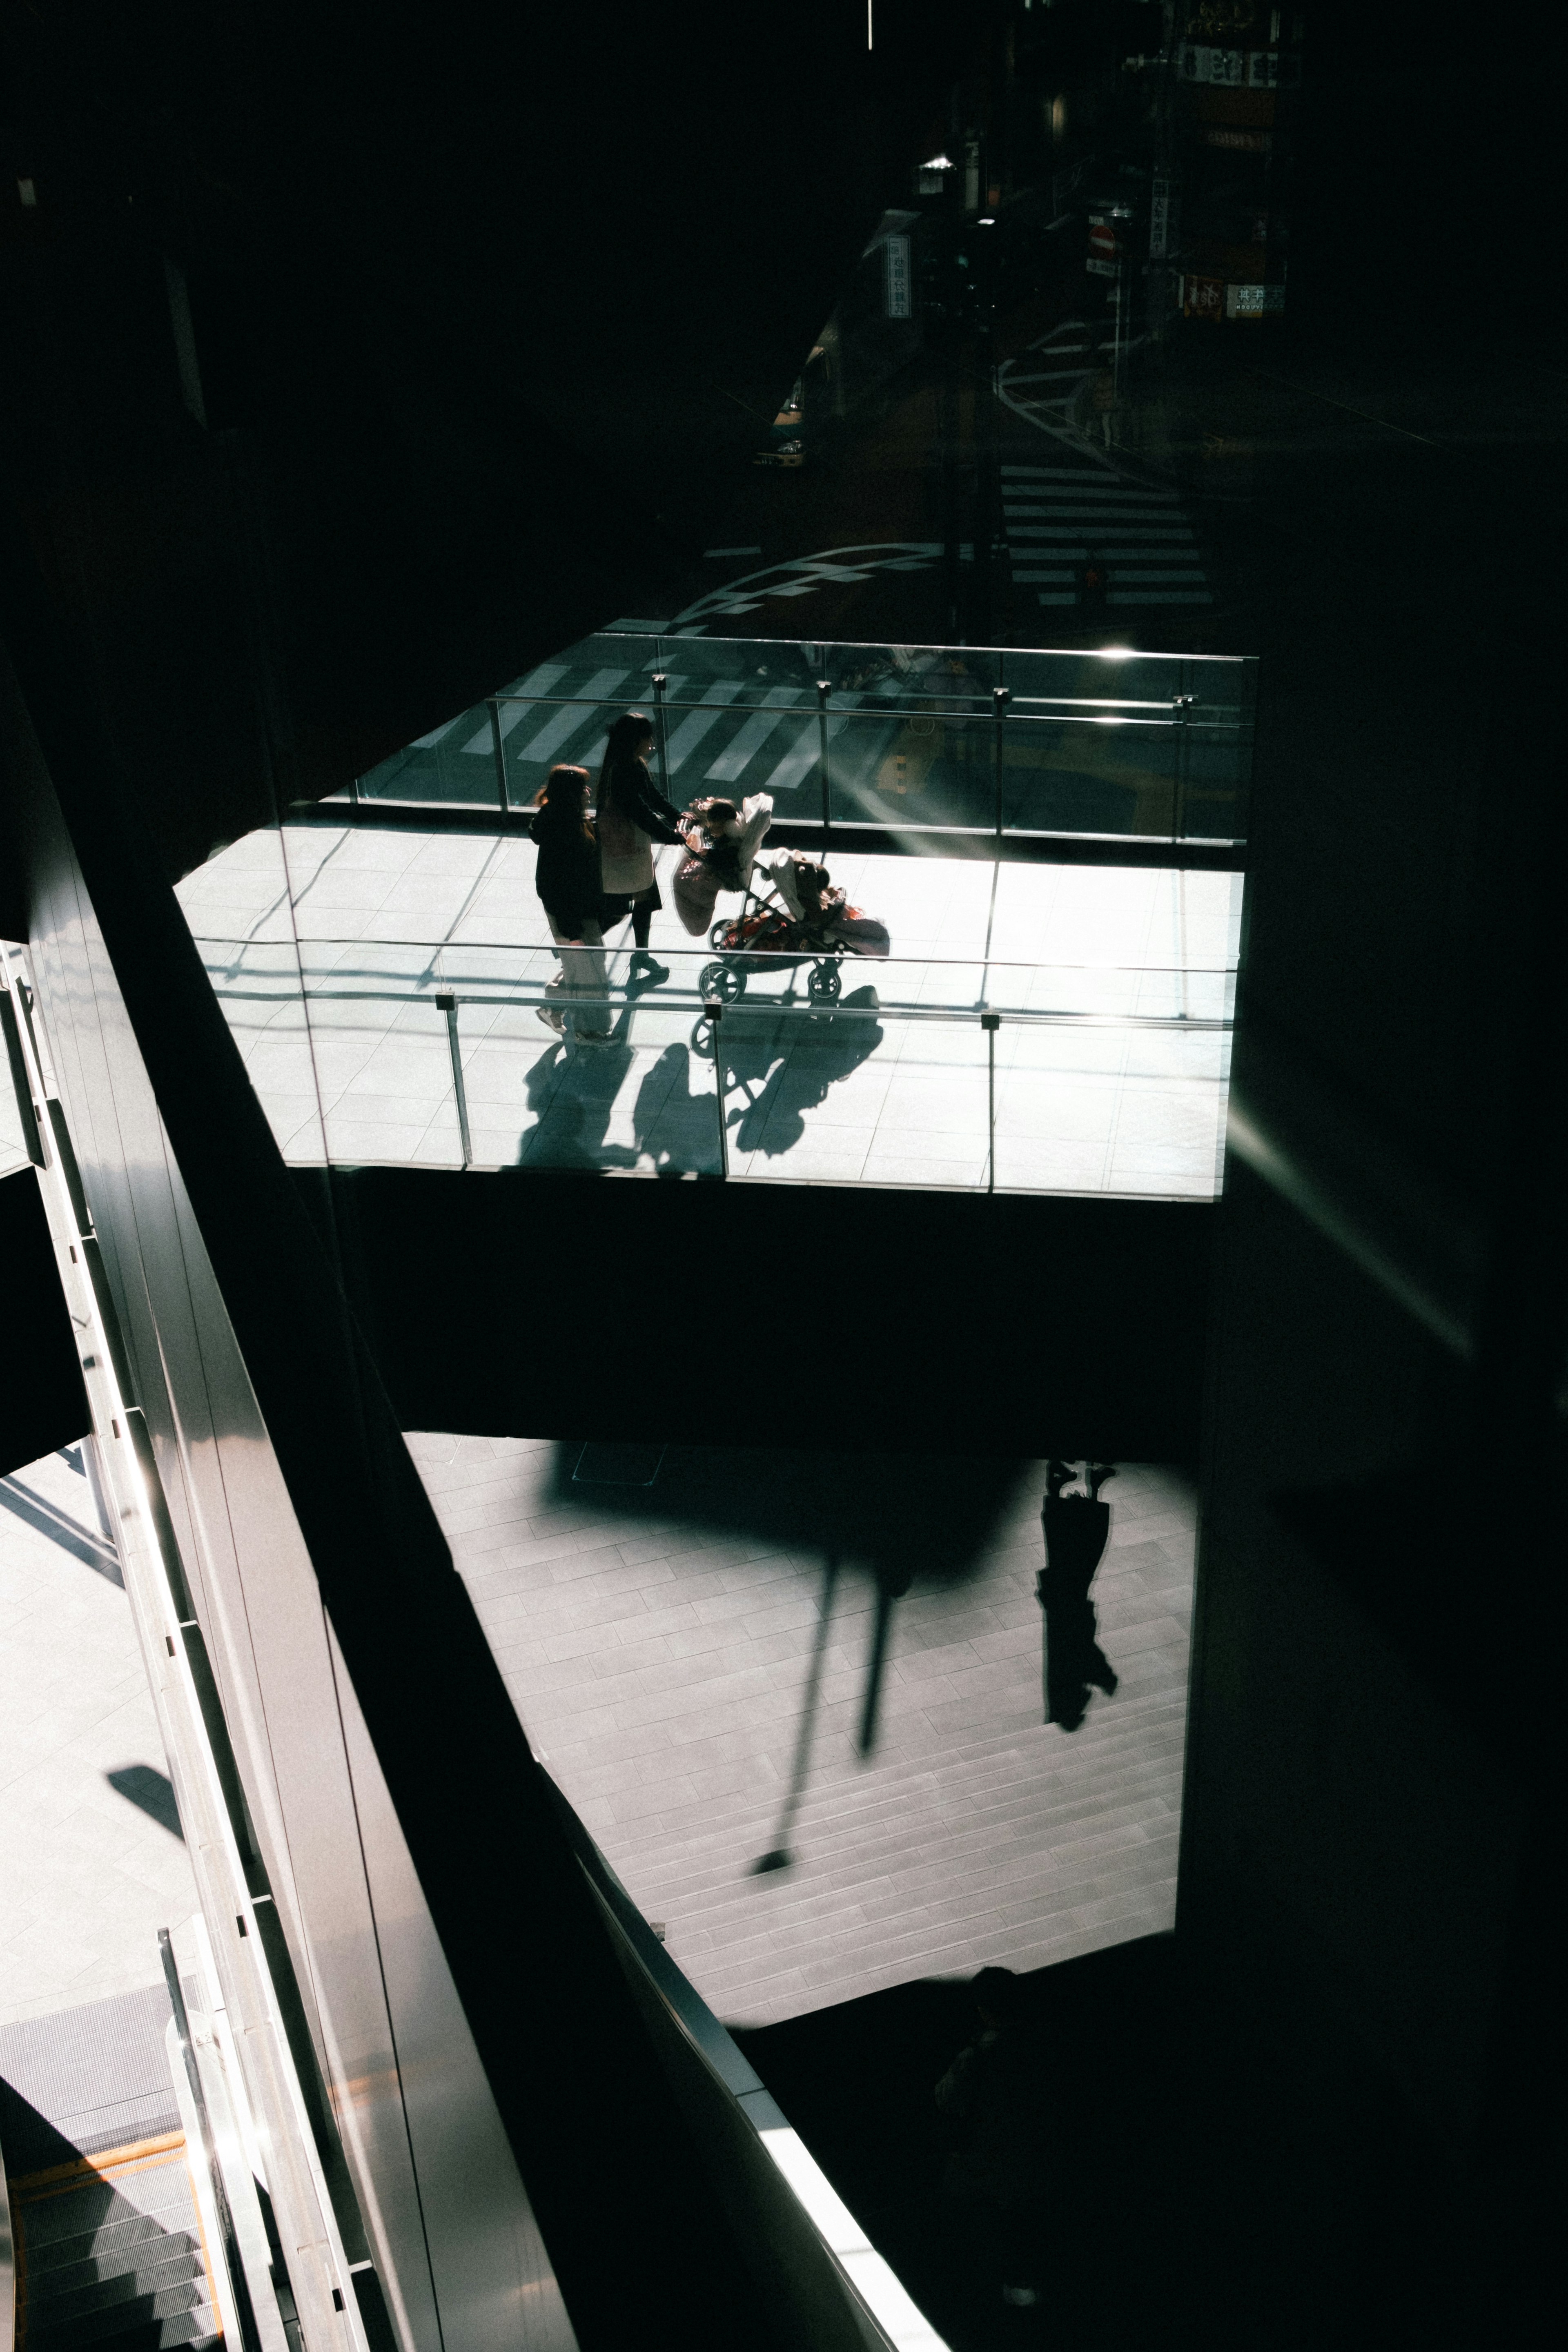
(108, 2253)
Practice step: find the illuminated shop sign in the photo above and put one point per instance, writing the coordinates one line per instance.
(1240, 68)
(1213, 298)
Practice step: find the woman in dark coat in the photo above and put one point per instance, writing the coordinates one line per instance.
(633, 813)
(566, 875)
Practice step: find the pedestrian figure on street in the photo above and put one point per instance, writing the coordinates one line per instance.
(566, 876)
(1103, 398)
(993, 2099)
(1093, 580)
(1077, 1528)
(632, 814)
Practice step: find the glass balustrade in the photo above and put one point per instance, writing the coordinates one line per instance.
(900, 739)
(981, 1074)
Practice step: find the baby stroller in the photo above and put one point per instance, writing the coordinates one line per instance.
(796, 916)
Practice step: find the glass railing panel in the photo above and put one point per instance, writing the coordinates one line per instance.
(918, 765)
(1112, 679)
(853, 1093)
(383, 1071)
(1108, 773)
(947, 678)
(1100, 1105)
(633, 1097)
(451, 767)
(242, 907)
(1214, 766)
(537, 733)
(751, 664)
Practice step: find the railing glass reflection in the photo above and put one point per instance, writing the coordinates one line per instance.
(978, 1075)
(1114, 744)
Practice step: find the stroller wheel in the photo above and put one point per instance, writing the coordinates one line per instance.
(719, 937)
(725, 980)
(824, 983)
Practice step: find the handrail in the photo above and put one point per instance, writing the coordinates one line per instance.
(751, 955)
(7, 2267)
(888, 2313)
(981, 711)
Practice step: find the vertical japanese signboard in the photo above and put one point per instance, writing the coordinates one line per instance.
(897, 292)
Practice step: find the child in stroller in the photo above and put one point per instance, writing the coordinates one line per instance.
(799, 913)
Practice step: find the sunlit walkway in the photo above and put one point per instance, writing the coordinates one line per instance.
(1107, 1072)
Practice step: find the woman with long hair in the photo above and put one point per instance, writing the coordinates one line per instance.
(633, 813)
(566, 875)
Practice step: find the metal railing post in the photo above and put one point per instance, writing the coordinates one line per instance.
(499, 749)
(354, 792)
(449, 1005)
(1180, 706)
(1000, 697)
(824, 688)
(713, 1012)
(991, 1022)
(659, 683)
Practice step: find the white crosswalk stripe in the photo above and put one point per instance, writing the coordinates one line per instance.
(1062, 513)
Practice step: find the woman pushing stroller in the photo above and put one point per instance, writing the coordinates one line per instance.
(632, 813)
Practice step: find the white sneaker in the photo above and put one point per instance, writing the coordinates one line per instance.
(552, 1019)
(595, 1037)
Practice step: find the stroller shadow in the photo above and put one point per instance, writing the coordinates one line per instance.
(799, 1064)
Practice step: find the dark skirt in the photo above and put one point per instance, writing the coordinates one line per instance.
(615, 911)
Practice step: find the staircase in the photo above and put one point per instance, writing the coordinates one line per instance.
(108, 2254)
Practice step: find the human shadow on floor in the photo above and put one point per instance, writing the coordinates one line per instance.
(674, 1130)
(572, 1102)
(1077, 1528)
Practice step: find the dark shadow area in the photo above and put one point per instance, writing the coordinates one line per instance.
(82, 1543)
(444, 1272)
(905, 1517)
(1178, 2189)
(617, 1466)
(43, 1406)
(151, 1792)
(29, 2141)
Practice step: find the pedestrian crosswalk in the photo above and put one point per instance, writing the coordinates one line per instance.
(1078, 510)
(909, 731)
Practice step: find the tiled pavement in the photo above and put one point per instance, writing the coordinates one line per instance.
(660, 1644)
(89, 1875)
(361, 1072)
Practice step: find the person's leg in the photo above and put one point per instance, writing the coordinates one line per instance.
(554, 1015)
(642, 925)
(593, 1018)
